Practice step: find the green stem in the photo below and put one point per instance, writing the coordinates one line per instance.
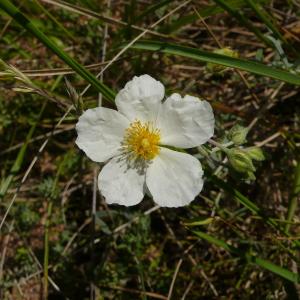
(294, 198)
(222, 147)
(47, 226)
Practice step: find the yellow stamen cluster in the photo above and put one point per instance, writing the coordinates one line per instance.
(141, 140)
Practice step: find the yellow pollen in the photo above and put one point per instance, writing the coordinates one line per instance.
(141, 140)
(145, 143)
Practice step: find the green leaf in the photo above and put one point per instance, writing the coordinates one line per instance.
(199, 222)
(13, 11)
(204, 56)
(291, 276)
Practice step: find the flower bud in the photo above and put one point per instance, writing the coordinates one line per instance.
(238, 134)
(256, 153)
(240, 161)
(223, 51)
(250, 176)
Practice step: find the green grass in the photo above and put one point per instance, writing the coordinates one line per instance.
(13, 11)
(238, 237)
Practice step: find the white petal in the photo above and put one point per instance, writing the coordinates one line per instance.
(100, 132)
(185, 123)
(141, 98)
(120, 184)
(174, 179)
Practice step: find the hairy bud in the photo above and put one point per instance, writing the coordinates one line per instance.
(240, 161)
(256, 153)
(238, 134)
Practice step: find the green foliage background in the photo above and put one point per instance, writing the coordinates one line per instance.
(237, 240)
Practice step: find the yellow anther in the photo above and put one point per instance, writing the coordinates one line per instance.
(145, 143)
(141, 141)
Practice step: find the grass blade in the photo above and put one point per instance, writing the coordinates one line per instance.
(249, 205)
(54, 20)
(204, 56)
(294, 197)
(269, 21)
(5, 184)
(265, 17)
(204, 13)
(243, 20)
(284, 273)
(13, 11)
(50, 201)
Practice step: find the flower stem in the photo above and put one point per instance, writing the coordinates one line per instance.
(219, 146)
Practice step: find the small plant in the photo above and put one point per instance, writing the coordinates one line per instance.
(186, 186)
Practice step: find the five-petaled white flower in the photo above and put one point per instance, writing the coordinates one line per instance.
(137, 141)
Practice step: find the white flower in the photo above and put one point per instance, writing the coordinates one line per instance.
(134, 141)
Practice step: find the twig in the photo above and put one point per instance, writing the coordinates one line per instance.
(66, 71)
(187, 289)
(46, 250)
(147, 212)
(5, 244)
(174, 278)
(73, 237)
(269, 139)
(149, 294)
(37, 138)
(186, 252)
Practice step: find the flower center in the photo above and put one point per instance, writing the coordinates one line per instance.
(141, 140)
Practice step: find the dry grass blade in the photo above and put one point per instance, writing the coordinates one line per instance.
(174, 279)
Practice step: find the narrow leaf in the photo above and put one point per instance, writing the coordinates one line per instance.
(204, 56)
(249, 205)
(243, 20)
(291, 276)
